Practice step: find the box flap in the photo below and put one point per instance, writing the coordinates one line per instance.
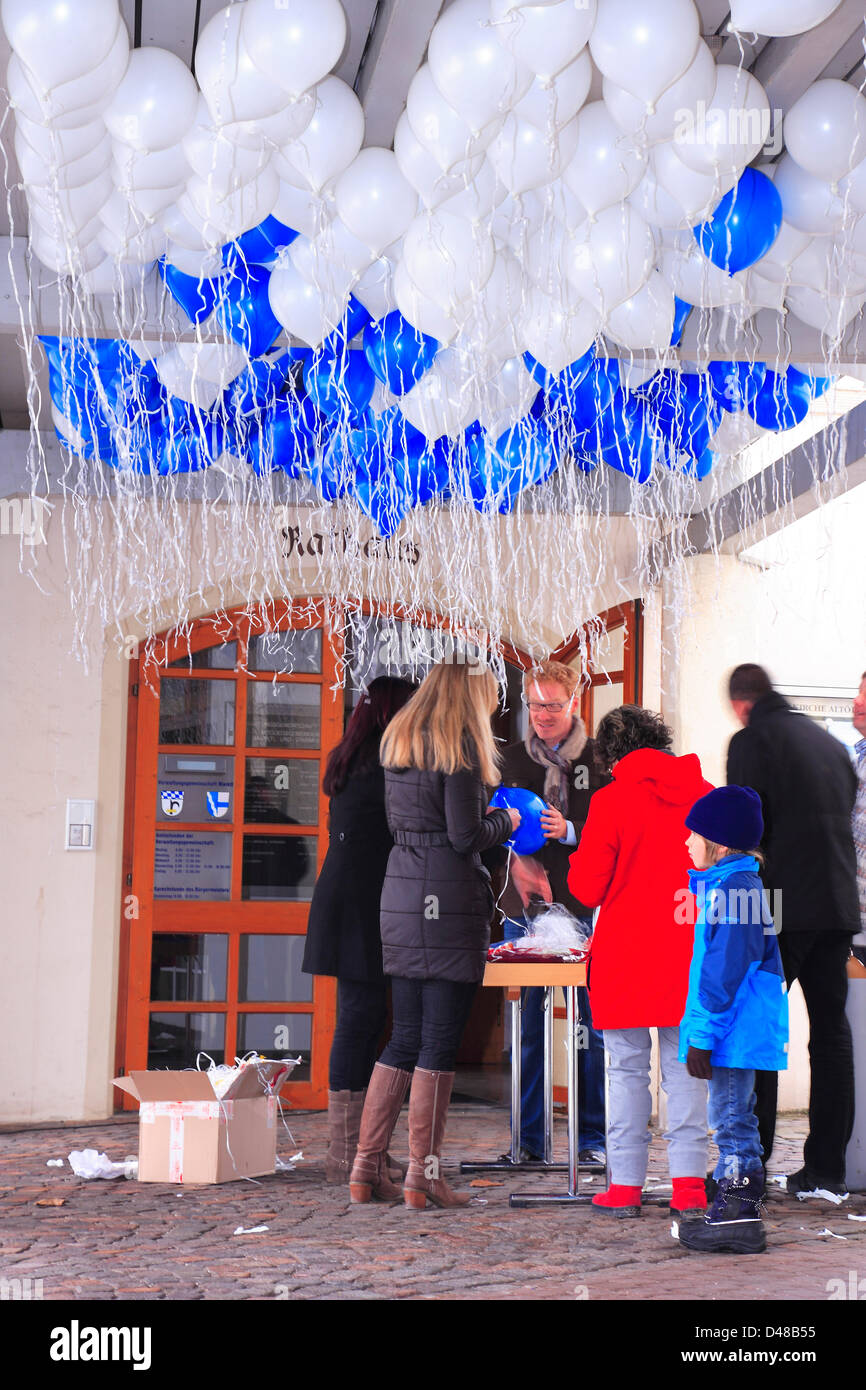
(171, 1085)
(126, 1083)
(253, 1080)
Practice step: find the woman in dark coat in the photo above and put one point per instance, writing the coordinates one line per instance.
(440, 760)
(343, 928)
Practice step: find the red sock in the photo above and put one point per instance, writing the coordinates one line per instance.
(618, 1196)
(689, 1194)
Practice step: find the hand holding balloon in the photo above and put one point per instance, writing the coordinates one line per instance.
(553, 823)
(515, 817)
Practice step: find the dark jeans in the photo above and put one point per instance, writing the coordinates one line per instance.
(731, 1113)
(590, 1067)
(429, 1019)
(362, 1008)
(817, 959)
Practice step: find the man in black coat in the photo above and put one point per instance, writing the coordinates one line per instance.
(807, 788)
(558, 762)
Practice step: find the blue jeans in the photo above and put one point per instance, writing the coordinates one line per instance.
(732, 1115)
(590, 1064)
(429, 1019)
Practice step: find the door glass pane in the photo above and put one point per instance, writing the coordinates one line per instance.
(221, 658)
(609, 651)
(298, 651)
(191, 788)
(279, 867)
(187, 966)
(192, 865)
(270, 968)
(604, 699)
(282, 790)
(175, 1040)
(283, 715)
(192, 711)
(278, 1035)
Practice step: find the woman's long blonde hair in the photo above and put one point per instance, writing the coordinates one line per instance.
(446, 719)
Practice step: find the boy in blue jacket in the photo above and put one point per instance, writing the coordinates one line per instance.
(736, 1018)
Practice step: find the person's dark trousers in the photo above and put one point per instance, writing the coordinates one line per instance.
(428, 1024)
(817, 959)
(362, 1007)
(590, 1064)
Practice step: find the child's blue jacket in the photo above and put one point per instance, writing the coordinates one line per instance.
(737, 1005)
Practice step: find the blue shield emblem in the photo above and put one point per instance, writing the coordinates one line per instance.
(218, 804)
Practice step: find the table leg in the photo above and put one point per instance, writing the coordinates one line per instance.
(516, 1047)
(548, 1073)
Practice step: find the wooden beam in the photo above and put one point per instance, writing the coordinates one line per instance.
(786, 67)
(394, 54)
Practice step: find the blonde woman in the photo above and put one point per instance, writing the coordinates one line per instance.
(440, 763)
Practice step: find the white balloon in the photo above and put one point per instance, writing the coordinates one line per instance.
(558, 331)
(607, 165)
(478, 198)
(825, 131)
(447, 257)
(525, 157)
(64, 255)
(646, 320)
(545, 37)
(141, 245)
(515, 220)
(762, 293)
(72, 208)
(71, 173)
(302, 308)
(829, 268)
(333, 260)
(423, 173)
(611, 258)
(375, 288)
(736, 432)
(507, 397)
(469, 66)
(776, 264)
(437, 125)
(295, 43)
(70, 104)
(133, 170)
(156, 102)
(204, 265)
(59, 40)
(184, 381)
(182, 225)
(56, 146)
(238, 210)
(645, 48)
(727, 135)
(213, 157)
(234, 87)
(284, 125)
(217, 362)
(779, 18)
(549, 104)
(330, 142)
(566, 207)
(444, 401)
(634, 374)
(695, 279)
(548, 248)
(828, 314)
(809, 204)
(422, 312)
(492, 324)
(695, 192)
(678, 103)
(374, 199)
(304, 212)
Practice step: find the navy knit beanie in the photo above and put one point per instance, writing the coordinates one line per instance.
(729, 816)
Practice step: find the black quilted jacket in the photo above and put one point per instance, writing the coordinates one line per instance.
(437, 900)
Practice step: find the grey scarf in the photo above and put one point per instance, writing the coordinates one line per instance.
(557, 762)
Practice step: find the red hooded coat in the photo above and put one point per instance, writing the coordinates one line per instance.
(632, 862)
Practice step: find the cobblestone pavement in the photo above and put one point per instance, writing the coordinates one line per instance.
(124, 1240)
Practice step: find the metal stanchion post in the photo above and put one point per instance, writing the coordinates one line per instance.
(516, 1045)
(548, 1073)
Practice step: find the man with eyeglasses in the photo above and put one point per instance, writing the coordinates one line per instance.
(557, 761)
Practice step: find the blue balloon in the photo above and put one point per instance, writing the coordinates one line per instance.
(381, 498)
(744, 225)
(681, 313)
(419, 466)
(687, 413)
(626, 440)
(572, 374)
(355, 320)
(585, 397)
(398, 353)
(190, 450)
(529, 837)
(339, 383)
(815, 385)
(283, 437)
(734, 384)
(258, 385)
(260, 245)
(244, 309)
(782, 402)
(196, 296)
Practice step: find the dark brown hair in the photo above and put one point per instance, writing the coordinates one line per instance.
(749, 682)
(628, 728)
(358, 749)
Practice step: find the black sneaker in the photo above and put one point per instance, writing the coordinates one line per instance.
(803, 1184)
(733, 1225)
(526, 1156)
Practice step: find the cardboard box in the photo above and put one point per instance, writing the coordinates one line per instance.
(186, 1134)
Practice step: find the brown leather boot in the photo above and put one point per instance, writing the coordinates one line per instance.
(385, 1094)
(428, 1110)
(344, 1126)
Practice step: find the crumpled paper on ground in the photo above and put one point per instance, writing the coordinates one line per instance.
(89, 1163)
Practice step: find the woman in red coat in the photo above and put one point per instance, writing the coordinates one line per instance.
(632, 863)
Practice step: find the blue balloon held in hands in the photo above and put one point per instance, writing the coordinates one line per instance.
(744, 225)
(529, 837)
